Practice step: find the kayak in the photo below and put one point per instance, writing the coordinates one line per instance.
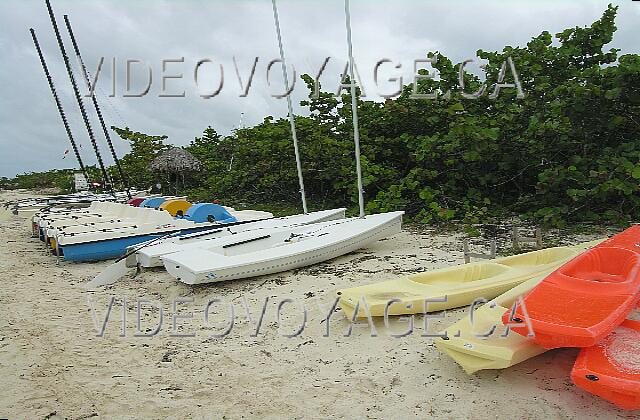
(584, 300)
(611, 369)
(453, 286)
(482, 342)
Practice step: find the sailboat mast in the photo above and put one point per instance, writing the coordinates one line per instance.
(59, 105)
(123, 177)
(354, 107)
(292, 122)
(76, 92)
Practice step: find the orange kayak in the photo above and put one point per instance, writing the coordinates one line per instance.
(611, 369)
(584, 300)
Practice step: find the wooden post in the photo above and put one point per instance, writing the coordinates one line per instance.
(539, 238)
(517, 239)
(468, 255)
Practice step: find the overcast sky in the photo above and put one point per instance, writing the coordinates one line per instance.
(32, 137)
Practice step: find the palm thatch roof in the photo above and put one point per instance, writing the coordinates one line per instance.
(175, 160)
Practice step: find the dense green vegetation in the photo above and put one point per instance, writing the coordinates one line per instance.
(61, 179)
(569, 151)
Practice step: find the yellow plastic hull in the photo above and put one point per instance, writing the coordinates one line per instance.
(473, 348)
(460, 285)
(467, 345)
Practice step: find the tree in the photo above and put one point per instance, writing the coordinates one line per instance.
(144, 148)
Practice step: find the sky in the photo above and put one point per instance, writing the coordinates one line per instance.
(232, 34)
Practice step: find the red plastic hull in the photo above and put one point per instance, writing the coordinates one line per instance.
(611, 369)
(583, 301)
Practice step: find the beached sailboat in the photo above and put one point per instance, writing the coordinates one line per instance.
(105, 240)
(149, 256)
(260, 252)
(267, 251)
(275, 247)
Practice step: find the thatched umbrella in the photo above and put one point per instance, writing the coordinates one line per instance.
(176, 161)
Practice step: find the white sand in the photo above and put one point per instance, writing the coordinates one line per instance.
(52, 363)
(622, 348)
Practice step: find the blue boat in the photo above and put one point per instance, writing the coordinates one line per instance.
(95, 245)
(113, 248)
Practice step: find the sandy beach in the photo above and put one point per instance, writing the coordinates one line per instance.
(54, 364)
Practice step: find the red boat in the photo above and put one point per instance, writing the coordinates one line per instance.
(583, 301)
(611, 369)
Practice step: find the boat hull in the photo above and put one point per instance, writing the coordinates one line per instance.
(151, 256)
(610, 369)
(587, 298)
(111, 248)
(452, 287)
(321, 250)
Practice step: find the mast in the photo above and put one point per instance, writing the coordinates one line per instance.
(354, 107)
(58, 104)
(123, 178)
(290, 107)
(76, 92)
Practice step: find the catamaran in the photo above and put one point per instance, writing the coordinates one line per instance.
(101, 240)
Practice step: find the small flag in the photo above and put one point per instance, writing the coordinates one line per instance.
(66, 152)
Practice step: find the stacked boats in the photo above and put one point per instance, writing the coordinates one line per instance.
(523, 305)
(453, 287)
(583, 303)
(257, 248)
(30, 206)
(105, 229)
(203, 242)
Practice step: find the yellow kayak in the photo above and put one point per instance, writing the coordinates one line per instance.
(460, 285)
(481, 343)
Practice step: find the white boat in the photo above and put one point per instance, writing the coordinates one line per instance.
(96, 211)
(269, 250)
(149, 256)
(111, 239)
(255, 253)
(31, 206)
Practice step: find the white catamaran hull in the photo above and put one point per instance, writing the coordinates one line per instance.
(149, 256)
(250, 254)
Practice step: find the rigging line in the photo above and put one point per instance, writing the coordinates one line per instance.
(59, 105)
(111, 104)
(76, 92)
(105, 96)
(123, 177)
